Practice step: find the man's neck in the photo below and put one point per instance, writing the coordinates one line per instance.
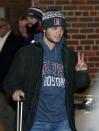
(50, 45)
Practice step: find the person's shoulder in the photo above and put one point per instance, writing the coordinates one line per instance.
(15, 37)
(26, 48)
(70, 50)
(29, 48)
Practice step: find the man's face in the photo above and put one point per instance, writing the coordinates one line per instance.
(54, 34)
(4, 28)
(31, 25)
(31, 20)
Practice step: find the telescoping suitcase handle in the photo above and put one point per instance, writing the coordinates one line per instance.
(19, 113)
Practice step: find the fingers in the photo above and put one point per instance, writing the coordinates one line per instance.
(80, 58)
(18, 95)
(81, 65)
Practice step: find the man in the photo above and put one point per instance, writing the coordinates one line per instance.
(9, 44)
(46, 75)
(33, 17)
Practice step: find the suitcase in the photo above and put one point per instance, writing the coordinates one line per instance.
(19, 113)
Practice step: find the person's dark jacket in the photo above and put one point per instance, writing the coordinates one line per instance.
(26, 72)
(12, 44)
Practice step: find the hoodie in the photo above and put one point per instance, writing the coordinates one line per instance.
(51, 107)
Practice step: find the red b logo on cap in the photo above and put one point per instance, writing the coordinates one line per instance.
(57, 21)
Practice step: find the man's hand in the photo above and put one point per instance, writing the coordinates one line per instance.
(81, 65)
(18, 95)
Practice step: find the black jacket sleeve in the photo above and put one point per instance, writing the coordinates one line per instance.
(14, 78)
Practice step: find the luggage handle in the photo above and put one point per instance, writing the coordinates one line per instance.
(19, 113)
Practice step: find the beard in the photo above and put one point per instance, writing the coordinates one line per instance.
(32, 29)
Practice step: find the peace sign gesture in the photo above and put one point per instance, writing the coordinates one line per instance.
(81, 65)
